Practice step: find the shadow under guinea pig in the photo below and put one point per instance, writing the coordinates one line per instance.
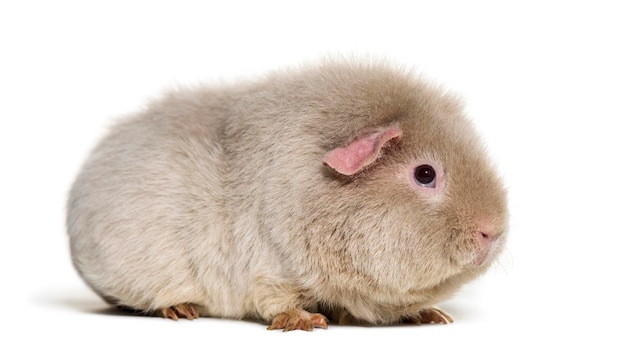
(82, 302)
(88, 303)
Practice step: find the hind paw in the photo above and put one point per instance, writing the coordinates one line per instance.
(188, 311)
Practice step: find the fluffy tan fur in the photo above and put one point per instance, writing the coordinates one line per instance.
(217, 200)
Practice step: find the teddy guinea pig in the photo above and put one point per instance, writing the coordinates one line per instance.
(343, 192)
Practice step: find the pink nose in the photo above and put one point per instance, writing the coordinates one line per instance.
(486, 235)
(485, 239)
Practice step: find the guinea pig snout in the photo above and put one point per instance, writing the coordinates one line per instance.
(486, 238)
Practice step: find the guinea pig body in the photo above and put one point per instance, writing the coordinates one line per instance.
(346, 190)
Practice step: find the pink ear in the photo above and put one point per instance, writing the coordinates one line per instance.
(361, 152)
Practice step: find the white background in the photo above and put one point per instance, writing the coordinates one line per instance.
(545, 83)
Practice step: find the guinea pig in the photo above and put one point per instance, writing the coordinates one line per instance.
(348, 192)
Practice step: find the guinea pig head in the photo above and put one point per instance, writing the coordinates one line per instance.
(423, 197)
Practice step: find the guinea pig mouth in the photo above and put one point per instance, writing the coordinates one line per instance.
(482, 256)
(486, 254)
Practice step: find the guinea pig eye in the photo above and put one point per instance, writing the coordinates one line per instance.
(425, 176)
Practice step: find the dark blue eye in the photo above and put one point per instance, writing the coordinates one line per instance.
(425, 176)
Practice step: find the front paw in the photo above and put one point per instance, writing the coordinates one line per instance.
(298, 319)
(430, 316)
